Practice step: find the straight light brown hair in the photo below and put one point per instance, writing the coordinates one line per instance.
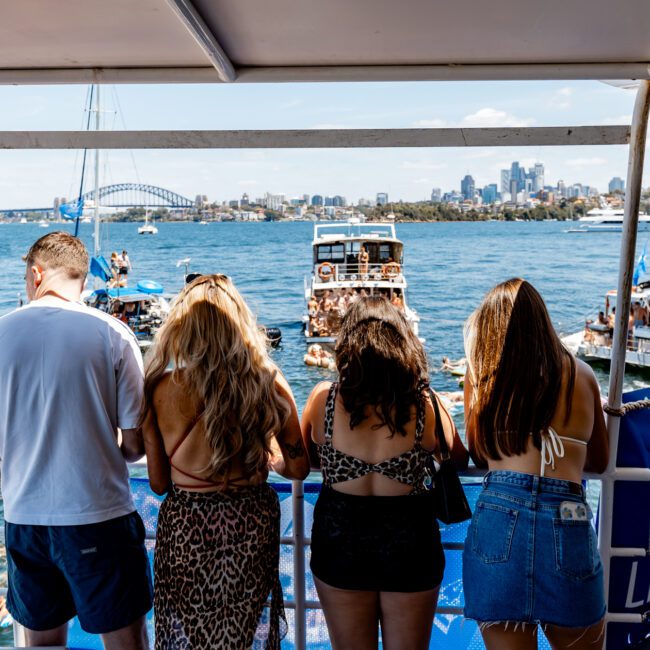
(517, 362)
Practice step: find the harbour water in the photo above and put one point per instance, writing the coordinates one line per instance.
(449, 266)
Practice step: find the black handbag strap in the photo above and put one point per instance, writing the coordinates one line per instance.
(440, 432)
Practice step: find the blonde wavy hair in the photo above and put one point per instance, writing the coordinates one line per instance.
(212, 337)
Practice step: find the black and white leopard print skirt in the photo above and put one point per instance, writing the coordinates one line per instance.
(216, 565)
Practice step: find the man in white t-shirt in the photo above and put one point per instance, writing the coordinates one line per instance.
(70, 377)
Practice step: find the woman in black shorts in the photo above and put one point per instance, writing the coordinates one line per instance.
(376, 552)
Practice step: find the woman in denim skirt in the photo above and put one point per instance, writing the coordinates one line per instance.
(535, 421)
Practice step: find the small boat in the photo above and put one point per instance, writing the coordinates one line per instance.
(352, 259)
(147, 228)
(606, 219)
(203, 222)
(594, 343)
(144, 309)
(43, 224)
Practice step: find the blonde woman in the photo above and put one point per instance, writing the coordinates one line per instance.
(214, 424)
(535, 420)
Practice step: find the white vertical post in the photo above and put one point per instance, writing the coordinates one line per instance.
(97, 125)
(298, 504)
(623, 300)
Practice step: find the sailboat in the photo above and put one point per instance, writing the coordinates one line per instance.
(147, 228)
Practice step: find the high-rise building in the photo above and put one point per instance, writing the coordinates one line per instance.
(317, 199)
(616, 185)
(338, 201)
(244, 199)
(436, 195)
(329, 201)
(561, 189)
(505, 181)
(382, 198)
(305, 198)
(538, 177)
(274, 201)
(364, 203)
(489, 194)
(467, 188)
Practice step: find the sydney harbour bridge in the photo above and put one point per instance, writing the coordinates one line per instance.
(126, 195)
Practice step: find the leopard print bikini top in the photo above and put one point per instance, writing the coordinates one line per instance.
(410, 467)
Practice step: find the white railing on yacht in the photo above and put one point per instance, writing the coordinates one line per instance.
(330, 272)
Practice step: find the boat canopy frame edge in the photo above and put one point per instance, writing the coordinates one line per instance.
(222, 71)
(320, 138)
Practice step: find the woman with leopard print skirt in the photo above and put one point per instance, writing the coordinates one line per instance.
(213, 425)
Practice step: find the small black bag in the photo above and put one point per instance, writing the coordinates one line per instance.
(450, 500)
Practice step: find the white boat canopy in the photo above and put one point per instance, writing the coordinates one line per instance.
(167, 41)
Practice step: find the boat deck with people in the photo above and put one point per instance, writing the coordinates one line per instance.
(351, 260)
(204, 41)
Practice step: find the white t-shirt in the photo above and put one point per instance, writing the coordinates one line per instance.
(69, 377)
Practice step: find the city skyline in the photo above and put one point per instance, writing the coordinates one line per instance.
(33, 178)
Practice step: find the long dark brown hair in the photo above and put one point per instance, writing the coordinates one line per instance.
(381, 363)
(517, 362)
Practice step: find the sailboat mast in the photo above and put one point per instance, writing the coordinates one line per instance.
(96, 218)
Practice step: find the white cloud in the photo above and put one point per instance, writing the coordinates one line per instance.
(492, 117)
(565, 92)
(435, 123)
(617, 119)
(586, 162)
(421, 164)
(561, 99)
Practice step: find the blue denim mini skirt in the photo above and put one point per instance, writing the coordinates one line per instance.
(531, 554)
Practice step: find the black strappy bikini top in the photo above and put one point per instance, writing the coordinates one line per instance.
(410, 467)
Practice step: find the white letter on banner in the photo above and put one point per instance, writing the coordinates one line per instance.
(630, 588)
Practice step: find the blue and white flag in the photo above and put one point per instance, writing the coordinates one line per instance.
(640, 266)
(72, 210)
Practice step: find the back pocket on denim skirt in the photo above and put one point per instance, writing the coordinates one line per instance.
(493, 527)
(575, 548)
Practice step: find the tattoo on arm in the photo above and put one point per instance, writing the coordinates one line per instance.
(294, 451)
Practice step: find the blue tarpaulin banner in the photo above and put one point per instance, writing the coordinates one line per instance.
(629, 587)
(72, 210)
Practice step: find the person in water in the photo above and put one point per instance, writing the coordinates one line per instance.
(213, 427)
(71, 376)
(376, 552)
(534, 419)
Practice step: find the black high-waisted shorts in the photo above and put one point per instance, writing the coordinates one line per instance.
(376, 543)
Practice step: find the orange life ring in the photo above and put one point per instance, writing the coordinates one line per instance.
(326, 275)
(391, 270)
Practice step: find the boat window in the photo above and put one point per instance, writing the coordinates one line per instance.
(331, 253)
(385, 253)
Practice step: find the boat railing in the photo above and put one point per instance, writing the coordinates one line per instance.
(355, 272)
(638, 339)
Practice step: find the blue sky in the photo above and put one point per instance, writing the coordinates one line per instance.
(34, 178)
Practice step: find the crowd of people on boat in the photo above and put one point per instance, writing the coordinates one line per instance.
(601, 330)
(327, 308)
(214, 415)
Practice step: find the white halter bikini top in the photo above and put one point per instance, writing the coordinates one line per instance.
(553, 447)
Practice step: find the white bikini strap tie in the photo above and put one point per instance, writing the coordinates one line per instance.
(552, 448)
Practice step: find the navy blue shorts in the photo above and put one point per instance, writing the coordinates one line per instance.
(98, 572)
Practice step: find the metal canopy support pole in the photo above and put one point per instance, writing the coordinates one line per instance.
(623, 300)
(206, 39)
(299, 596)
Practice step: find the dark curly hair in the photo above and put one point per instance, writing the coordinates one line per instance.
(381, 363)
